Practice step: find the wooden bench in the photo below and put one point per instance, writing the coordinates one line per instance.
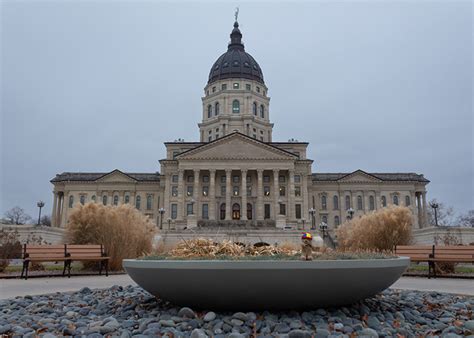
(66, 253)
(435, 253)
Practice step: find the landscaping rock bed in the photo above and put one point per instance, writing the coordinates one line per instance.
(131, 311)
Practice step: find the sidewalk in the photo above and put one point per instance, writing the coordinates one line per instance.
(10, 288)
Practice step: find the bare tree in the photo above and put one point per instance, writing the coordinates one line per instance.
(46, 220)
(17, 215)
(445, 214)
(466, 220)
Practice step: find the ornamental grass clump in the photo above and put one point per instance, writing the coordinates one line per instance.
(379, 231)
(123, 230)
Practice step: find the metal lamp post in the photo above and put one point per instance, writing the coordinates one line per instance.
(435, 206)
(324, 228)
(351, 212)
(161, 211)
(192, 205)
(40, 204)
(312, 212)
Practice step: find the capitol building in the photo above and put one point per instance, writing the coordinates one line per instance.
(237, 174)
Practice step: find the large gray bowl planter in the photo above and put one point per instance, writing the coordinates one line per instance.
(265, 285)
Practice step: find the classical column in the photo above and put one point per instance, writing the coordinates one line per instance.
(291, 195)
(180, 194)
(133, 198)
(53, 213)
(167, 193)
(212, 194)
(260, 195)
(228, 192)
(418, 203)
(122, 197)
(366, 201)
(196, 193)
(305, 206)
(61, 208)
(243, 193)
(425, 215)
(276, 194)
(342, 213)
(377, 200)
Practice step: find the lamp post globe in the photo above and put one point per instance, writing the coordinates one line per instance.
(40, 204)
(351, 212)
(161, 211)
(435, 207)
(324, 228)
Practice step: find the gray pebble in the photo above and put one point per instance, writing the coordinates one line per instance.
(209, 317)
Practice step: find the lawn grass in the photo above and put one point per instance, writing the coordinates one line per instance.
(47, 267)
(424, 268)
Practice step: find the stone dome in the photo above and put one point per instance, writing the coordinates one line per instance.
(236, 63)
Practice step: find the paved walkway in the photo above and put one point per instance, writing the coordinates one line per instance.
(10, 288)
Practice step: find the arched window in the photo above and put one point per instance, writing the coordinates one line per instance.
(348, 202)
(236, 107)
(335, 201)
(115, 200)
(336, 220)
(324, 219)
(104, 200)
(127, 199)
(71, 201)
(236, 211)
(262, 111)
(138, 201)
(407, 200)
(254, 109)
(395, 199)
(149, 201)
(384, 201)
(371, 203)
(249, 211)
(222, 211)
(209, 111)
(216, 108)
(359, 202)
(93, 198)
(323, 202)
(82, 199)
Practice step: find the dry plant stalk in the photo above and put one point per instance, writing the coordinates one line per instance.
(379, 231)
(203, 247)
(123, 230)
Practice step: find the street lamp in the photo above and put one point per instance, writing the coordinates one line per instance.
(351, 212)
(324, 228)
(192, 205)
(40, 204)
(280, 202)
(312, 212)
(435, 206)
(161, 211)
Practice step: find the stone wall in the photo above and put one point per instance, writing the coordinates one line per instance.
(28, 232)
(436, 234)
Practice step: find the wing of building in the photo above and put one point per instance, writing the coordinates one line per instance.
(236, 174)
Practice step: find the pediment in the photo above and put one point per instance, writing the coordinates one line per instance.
(359, 176)
(116, 176)
(236, 147)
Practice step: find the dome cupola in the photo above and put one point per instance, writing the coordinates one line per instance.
(236, 63)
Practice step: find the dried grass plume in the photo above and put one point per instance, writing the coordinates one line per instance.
(123, 230)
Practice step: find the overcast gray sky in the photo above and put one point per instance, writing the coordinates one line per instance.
(99, 85)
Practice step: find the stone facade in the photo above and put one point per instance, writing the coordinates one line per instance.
(236, 174)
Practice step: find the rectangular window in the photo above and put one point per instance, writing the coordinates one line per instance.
(223, 190)
(297, 191)
(190, 179)
(298, 211)
(261, 138)
(266, 190)
(214, 89)
(224, 86)
(209, 139)
(282, 190)
(235, 191)
(282, 209)
(174, 211)
(266, 179)
(297, 178)
(248, 87)
(249, 179)
(205, 179)
(189, 190)
(236, 85)
(205, 211)
(174, 190)
(205, 190)
(254, 136)
(223, 179)
(249, 190)
(258, 89)
(189, 208)
(236, 179)
(267, 211)
(281, 179)
(174, 178)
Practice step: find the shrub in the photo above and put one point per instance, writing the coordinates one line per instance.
(123, 230)
(10, 247)
(378, 231)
